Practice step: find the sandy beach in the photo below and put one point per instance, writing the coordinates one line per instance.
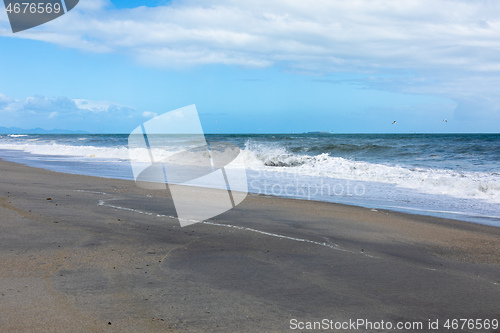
(87, 254)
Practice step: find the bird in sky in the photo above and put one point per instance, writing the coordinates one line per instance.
(393, 122)
(445, 120)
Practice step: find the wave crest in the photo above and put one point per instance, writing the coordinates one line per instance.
(472, 185)
(273, 157)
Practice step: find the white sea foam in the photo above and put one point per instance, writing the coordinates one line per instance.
(471, 185)
(93, 152)
(330, 245)
(269, 157)
(68, 150)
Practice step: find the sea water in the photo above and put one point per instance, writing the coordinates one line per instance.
(445, 175)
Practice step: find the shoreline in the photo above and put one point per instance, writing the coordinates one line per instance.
(451, 215)
(70, 264)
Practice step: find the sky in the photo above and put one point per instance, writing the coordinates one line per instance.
(261, 66)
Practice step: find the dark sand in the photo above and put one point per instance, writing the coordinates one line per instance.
(70, 265)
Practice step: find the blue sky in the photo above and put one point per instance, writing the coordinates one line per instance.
(258, 67)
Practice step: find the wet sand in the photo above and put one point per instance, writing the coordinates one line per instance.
(87, 254)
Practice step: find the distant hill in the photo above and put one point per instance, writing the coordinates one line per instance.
(317, 132)
(15, 130)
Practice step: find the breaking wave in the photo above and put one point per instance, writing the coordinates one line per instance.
(472, 185)
(274, 157)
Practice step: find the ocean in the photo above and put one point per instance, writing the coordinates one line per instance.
(445, 175)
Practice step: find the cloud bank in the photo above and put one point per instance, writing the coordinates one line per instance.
(442, 47)
(75, 114)
(321, 36)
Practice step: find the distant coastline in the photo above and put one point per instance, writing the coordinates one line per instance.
(318, 132)
(16, 130)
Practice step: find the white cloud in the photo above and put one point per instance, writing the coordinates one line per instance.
(98, 106)
(320, 35)
(66, 113)
(444, 47)
(148, 114)
(4, 100)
